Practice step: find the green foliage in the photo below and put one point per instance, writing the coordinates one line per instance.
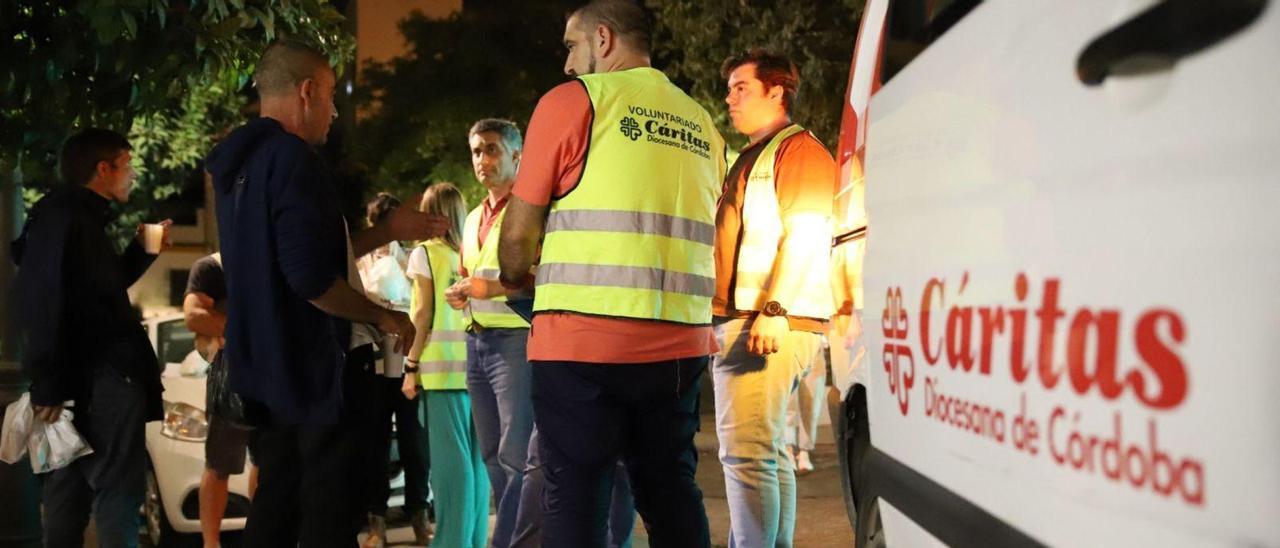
(165, 71)
(694, 37)
(489, 60)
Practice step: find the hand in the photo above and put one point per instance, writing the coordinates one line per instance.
(398, 325)
(47, 414)
(410, 386)
(166, 241)
(209, 346)
(458, 293)
(407, 223)
(766, 334)
(852, 328)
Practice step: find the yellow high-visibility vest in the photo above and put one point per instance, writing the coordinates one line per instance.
(443, 362)
(634, 238)
(482, 262)
(762, 233)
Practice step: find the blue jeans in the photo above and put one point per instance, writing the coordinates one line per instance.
(110, 482)
(622, 507)
(752, 395)
(589, 416)
(500, 385)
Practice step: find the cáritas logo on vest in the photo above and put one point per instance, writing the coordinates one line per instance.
(631, 128)
(665, 128)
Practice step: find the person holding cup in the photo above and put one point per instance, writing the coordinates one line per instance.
(71, 293)
(382, 271)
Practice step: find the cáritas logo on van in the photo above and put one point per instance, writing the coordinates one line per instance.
(966, 340)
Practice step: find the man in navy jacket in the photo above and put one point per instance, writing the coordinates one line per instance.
(85, 344)
(290, 302)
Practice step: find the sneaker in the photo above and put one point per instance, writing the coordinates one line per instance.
(803, 464)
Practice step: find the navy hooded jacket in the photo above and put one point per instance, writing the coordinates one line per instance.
(283, 243)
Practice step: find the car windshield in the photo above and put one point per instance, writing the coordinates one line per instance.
(175, 341)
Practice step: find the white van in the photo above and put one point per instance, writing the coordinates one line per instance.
(1069, 316)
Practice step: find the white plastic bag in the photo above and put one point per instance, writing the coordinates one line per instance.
(18, 418)
(51, 445)
(386, 280)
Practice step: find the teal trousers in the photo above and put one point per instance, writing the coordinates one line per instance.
(459, 480)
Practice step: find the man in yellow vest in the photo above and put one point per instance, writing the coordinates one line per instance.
(498, 376)
(773, 296)
(620, 181)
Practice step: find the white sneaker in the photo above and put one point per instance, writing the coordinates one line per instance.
(803, 464)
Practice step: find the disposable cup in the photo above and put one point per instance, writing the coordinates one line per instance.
(153, 237)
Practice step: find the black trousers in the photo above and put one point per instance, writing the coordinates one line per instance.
(587, 416)
(387, 401)
(311, 478)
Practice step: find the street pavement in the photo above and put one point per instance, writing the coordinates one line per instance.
(821, 520)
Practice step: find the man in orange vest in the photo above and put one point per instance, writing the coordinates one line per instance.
(773, 297)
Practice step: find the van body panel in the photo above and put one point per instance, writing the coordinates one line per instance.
(1070, 314)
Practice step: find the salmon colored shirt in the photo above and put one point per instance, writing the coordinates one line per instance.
(551, 164)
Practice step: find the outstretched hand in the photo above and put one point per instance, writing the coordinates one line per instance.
(407, 223)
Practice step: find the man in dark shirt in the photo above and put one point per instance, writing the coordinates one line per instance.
(224, 448)
(288, 261)
(84, 343)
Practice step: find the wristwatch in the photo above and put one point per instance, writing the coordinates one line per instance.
(772, 308)
(410, 366)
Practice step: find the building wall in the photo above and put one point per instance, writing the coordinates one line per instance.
(152, 292)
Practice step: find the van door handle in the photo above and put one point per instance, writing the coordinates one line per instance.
(1158, 37)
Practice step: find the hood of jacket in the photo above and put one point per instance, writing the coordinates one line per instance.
(227, 158)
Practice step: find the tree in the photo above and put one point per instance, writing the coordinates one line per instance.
(165, 71)
(490, 60)
(693, 37)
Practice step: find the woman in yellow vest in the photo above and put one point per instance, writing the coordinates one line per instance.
(437, 362)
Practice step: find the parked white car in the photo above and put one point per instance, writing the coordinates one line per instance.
(1069, 328)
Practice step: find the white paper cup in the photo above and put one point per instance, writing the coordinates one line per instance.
(392, 361)
(152, 238)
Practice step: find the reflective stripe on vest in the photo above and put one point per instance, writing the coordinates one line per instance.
(762, 233)
(446, 346)
(637, 222)
(634, 238)
(482, 262)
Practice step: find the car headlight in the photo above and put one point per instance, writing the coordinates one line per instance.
(184, 422)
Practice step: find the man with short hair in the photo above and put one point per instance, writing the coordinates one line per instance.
(226, 446)
(498, 376)
(85, 346)
(772, 295)
(621, 331)
(299, 328)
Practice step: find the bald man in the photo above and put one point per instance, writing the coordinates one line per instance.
(299, 328)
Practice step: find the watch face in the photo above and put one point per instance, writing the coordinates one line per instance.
(772, 308)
